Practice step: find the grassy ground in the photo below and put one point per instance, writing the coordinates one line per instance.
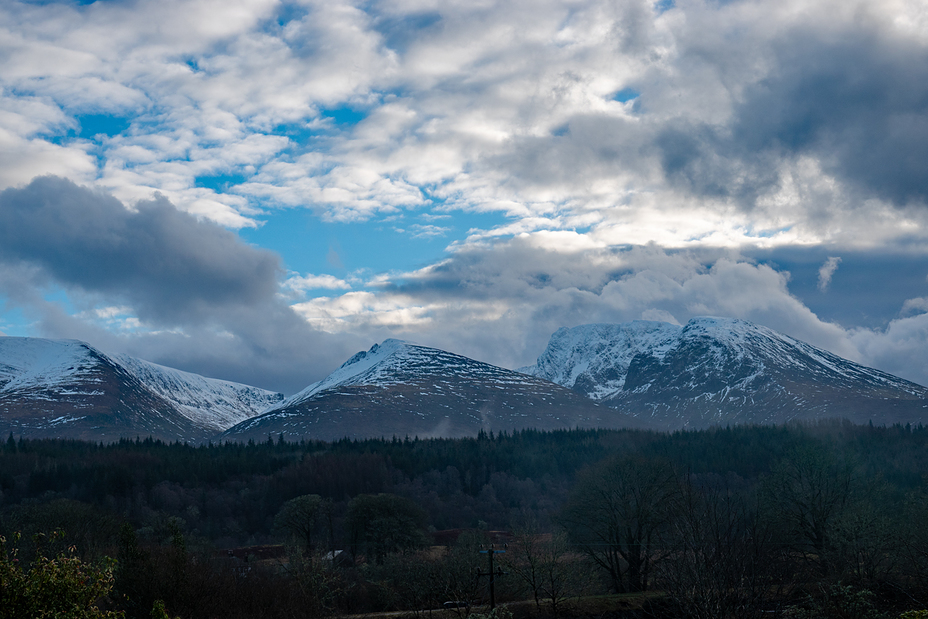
(599, 607)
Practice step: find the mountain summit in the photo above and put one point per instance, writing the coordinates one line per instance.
(720, 371)
(402, 389)
(69, 389)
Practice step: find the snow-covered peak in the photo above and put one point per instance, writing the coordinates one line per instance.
(707, 356)
(363, 361)
(395, 362)
(719, 326)
(741, 340)
(730, 331)
(209, 402)
(593, 359)
(27, 362)
(364, 366)
(40, 368)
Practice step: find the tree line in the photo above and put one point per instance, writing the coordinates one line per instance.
(819, 519)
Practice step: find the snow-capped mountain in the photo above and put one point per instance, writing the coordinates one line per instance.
(639, 374)
(208, 402)
(719, 371)
(401, 389)
(594, 359)
(69, 389)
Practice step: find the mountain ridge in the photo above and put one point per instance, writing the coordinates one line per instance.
(724, 370)
(401, 389)
(69, 389)
(209, 402)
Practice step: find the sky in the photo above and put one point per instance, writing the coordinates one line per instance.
(255, 190)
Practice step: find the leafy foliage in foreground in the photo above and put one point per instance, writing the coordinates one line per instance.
(59, 587)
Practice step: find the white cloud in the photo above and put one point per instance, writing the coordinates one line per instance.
(303, 283)
(826, 271)
(21, 160)
(916, 305)
(427, 230)
(901, 348)
(660, 316)
(501, 303)
(110, 312)
(366, 312)
(499, 106)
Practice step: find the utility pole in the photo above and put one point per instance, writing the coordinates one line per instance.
(493, 575)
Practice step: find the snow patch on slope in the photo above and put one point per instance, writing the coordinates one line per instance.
(354, 371)
(395, 362)
(743, 340)
(43, 369)
(31, 363)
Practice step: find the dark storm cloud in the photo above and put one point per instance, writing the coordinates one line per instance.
(856, 101)
(699, 159)
(170, 266)
(266, 345)
(217, 295)
(860, 103)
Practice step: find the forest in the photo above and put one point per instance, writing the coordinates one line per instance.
(822, 520)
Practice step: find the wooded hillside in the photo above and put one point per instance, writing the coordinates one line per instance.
(747, 517)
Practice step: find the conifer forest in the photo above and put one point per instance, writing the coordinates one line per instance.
(824, 520)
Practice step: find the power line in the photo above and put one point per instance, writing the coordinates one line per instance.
(493, 575)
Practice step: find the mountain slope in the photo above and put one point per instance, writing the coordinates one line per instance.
(401, 389)
(68, 389)
(719, 371)
(210, 403)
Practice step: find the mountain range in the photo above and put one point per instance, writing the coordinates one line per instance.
(401, 389)
(642, 374)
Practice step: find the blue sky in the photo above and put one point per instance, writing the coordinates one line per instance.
(257, 189)
(387, 244)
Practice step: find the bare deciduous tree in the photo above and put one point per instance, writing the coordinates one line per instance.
(299, 518)
(808, 494)
(722, 554)
(546, 566)
(617, 513)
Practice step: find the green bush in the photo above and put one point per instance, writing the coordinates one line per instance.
(62, 587)
(841, 602)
